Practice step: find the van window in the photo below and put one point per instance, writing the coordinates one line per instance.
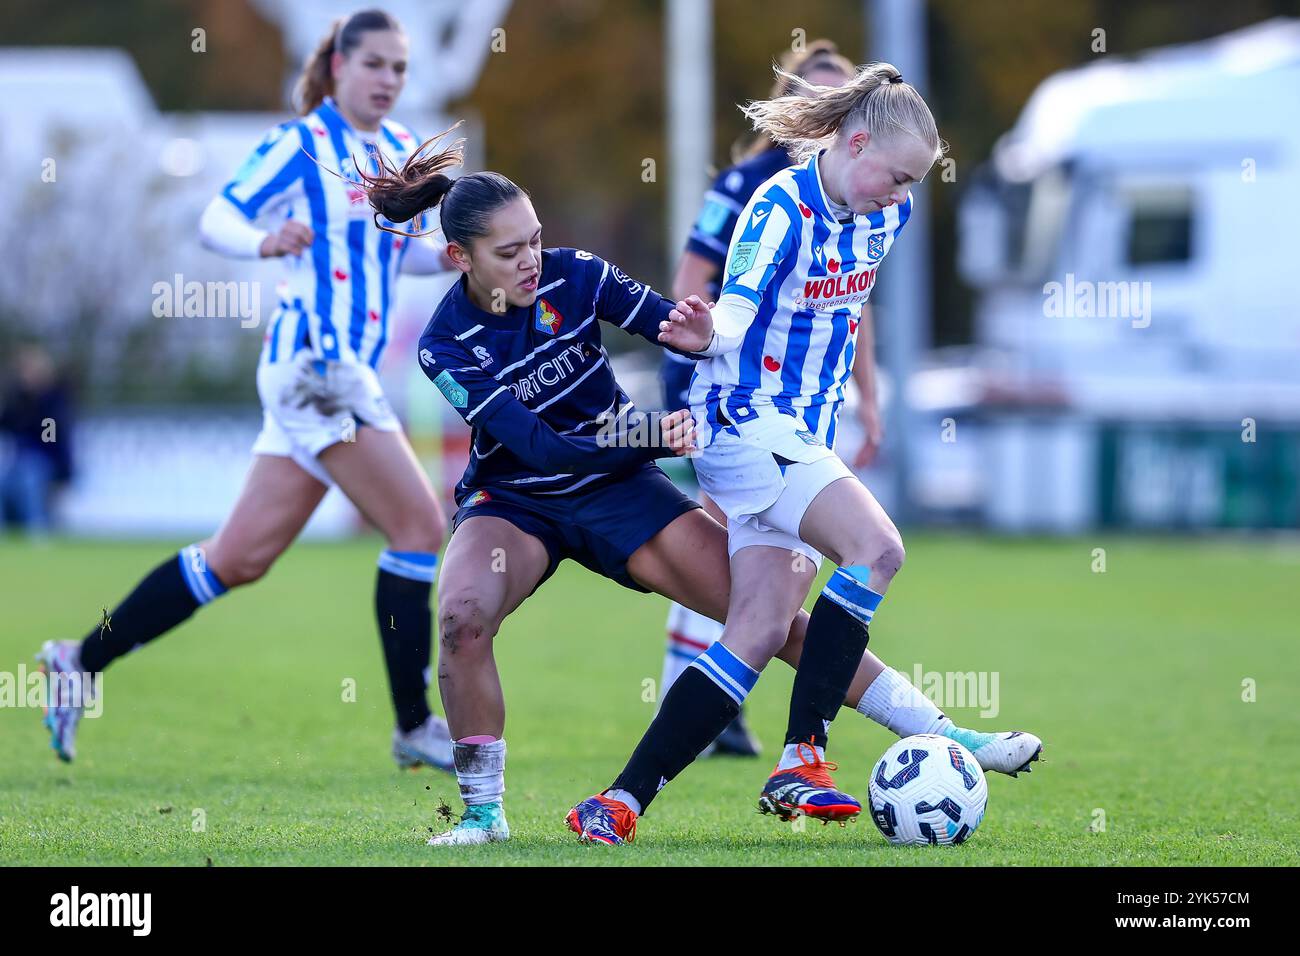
(1160, 225)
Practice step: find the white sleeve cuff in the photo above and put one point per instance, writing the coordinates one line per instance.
(223, 229)
(732, 316)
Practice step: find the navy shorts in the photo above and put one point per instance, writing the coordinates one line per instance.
(600, 529)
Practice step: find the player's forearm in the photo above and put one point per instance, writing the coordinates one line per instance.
(732, 317)
(546, 451)
(694, 274)
(425, 256)
(864, 357)
(223, 229)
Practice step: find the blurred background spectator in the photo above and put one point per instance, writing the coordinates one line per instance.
(36, 431)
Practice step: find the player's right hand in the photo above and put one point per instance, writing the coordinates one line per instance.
(689, 327)
(291, 240)
(678, 432)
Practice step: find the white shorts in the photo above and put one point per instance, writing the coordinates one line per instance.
(309, 405)
(763, 501)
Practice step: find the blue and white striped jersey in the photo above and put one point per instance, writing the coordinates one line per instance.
(809, 274)
(535, 383)
(723, 204)
(334, 298)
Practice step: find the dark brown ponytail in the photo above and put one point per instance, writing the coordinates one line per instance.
(401, 195)
(317, 79)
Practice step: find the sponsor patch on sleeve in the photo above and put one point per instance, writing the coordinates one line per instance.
(452, 390)
(742, 258)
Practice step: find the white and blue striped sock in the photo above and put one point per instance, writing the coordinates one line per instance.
(848, 588)
(203, 584)
(727, 671)
(412, 565)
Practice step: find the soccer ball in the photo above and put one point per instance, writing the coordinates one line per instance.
(927, 789)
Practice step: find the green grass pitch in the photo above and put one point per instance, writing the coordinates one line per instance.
(1133, 677)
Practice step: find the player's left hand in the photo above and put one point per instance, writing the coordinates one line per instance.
(689, 327)
(873, 434)
(677, 429)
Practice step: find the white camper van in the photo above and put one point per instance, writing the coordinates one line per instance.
(1135, 241)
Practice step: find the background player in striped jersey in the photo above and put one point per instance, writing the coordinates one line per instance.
(780, 346)
(699, 273)
(325, 419)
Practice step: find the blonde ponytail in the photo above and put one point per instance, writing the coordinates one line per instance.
(817, 55)
(876, 99)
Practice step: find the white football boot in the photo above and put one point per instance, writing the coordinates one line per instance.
(1007, 753)
(66, 694)
(430, 743)
(481, 823)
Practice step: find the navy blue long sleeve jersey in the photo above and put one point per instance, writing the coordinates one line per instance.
(535, 383)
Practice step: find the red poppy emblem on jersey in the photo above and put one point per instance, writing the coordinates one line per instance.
(833, 265)
(771, 364)
(340, 275)
(398, 243)
(374, 316)
(853, 325)
(807, 213)
(319, 130)
(403, 135)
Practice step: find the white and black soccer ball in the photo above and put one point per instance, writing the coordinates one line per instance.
(927, 789)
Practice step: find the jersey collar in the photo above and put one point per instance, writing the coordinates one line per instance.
(335, 122)
(825, 206)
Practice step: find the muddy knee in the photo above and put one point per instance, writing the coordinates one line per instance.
(465, 628)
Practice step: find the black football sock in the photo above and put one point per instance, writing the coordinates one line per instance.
(167, 596)
(832, 649)
(701, 702)
(406, 630)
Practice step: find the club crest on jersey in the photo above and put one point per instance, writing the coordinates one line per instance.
(452, 390)
(742, 258)
(480, 353)
(876, 246)
(548, 318)
(477, 498)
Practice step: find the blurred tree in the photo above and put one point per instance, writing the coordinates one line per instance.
(242, 68)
